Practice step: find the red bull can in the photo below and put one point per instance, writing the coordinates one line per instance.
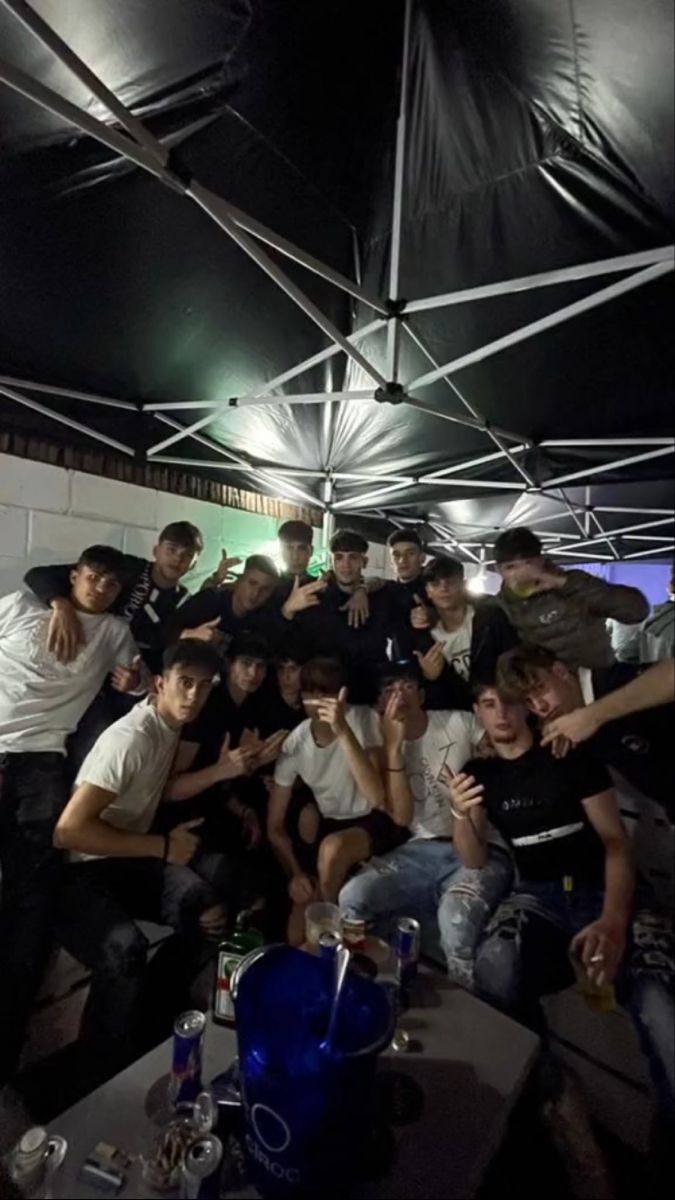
(329, 944)
(407, 951)
(202, 1168)
(188, 1049)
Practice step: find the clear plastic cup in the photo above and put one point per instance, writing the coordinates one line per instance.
(321, 918)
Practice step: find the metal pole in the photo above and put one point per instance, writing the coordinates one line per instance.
(394, 326)
(495, 434)
(548, 322)
(611, 466)
(260, 231)
(216, 209)
(19, 398)
(472, 462)
(49, 38)
(278, 381)
(68, 393)
(587, 518)
(629, 441)
(650, 553)
(22, 83)
(328, 518)
(606, 266)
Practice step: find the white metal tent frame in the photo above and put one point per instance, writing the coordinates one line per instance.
(129, 139)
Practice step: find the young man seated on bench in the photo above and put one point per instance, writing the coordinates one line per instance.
(120, 873)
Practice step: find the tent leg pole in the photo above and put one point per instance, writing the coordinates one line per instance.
(394, 327)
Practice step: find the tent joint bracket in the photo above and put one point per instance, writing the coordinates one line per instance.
(392, 393)
(395, 307)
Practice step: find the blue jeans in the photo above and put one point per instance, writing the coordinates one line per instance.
(525, 955)
(426, 880)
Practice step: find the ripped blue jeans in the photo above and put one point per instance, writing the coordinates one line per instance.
(425, 879)
(525, 955)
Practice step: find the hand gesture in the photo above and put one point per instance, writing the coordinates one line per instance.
(233, 763)
(357, 608)
(224, 569)
(600, 947)
(127, 679)
(432, 663)
(465, 793)
(208, 632)
(331, 710)
(301, 889)
(303, 596)
(391, 722)
(65, 634)
(183, 844)
(421, 615)
(271, 748)
(576, 727)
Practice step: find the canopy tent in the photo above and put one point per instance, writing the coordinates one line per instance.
(406, 261)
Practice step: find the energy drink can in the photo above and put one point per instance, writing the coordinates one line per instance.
(188, 1048)
(201, 1169)
(354, 933)
(329, 943)
(407, 951)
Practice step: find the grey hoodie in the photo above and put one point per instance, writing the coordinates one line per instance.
(570, 621)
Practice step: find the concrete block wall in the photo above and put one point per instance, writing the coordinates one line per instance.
(49, 514)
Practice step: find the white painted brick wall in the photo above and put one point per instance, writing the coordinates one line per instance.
(49, 514)
(13, 530)
(33, 485)
(92, 496)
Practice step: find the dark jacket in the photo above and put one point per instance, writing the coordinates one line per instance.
(571, 620)
(217, 603)
(492, 635)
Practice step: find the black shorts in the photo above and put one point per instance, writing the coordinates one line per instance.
(384, 835)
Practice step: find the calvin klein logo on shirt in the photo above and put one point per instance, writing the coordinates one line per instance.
(549, 617)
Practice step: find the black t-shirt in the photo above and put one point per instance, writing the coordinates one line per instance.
(535, 802)
(220, 715)
(638, 746)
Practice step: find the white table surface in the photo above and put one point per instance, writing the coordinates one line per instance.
(470, 1061)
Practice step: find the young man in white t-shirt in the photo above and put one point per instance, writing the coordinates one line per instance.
(424, 878)
(120, 872)
(41, 702)
(335, 754)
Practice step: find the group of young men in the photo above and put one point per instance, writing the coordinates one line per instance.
(401, 748)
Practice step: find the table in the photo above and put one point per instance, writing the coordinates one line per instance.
(470, 1061)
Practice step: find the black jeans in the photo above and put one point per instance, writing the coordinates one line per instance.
(32, 794)
(132, 1003)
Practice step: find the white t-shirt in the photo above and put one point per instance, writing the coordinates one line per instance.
(131, 758)
(457, 645)
(41, 699)
(450, 740)
(324, 769)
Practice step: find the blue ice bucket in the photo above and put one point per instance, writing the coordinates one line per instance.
(308, 1106)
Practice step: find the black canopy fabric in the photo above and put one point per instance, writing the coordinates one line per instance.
(536, 135)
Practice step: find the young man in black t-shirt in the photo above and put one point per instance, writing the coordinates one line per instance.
(573, 902)
(624, 715)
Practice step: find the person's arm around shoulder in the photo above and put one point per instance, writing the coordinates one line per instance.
(625, 604)
(469, 830)
(51, 586)
(600, 945)
(650, 689)
(81, 828)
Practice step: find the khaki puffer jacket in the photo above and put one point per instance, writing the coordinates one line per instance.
(570, 621)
